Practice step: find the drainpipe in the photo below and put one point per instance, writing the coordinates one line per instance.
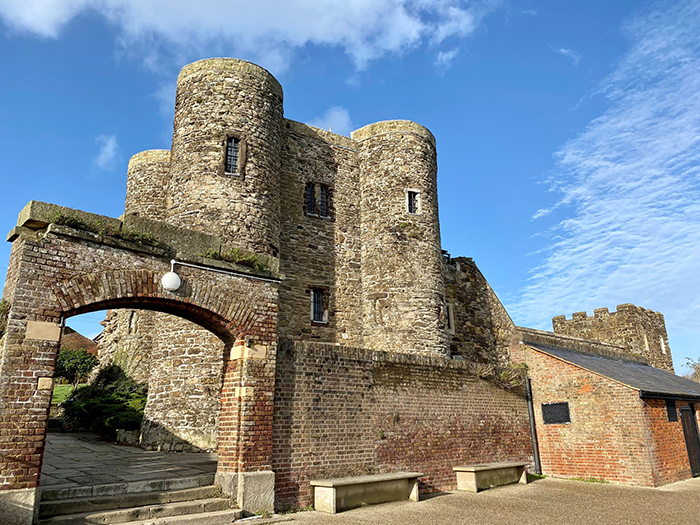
(533, 431)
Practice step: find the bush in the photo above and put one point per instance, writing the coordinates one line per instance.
(74, 365)
(112, 401)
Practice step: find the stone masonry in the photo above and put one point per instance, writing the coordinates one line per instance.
(640, 331)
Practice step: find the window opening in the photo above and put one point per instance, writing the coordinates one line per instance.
(555, 413)
(449, 321)
(317, 310)
(232, 149)
(323, 204)
(412, 202)
(310, 198)
(671, 410)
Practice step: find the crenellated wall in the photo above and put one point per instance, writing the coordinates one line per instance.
(640, 331)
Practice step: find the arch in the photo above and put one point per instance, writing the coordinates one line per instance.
(199, 302)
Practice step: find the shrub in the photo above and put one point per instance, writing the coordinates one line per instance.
(74, 365)
(112, 401)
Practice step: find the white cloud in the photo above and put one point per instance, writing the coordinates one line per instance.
(444, 59)
(336, 118)
(109, 149)
(630, 183)
(266, 30)
(569, 53)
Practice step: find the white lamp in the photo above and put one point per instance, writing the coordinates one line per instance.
(171, 281)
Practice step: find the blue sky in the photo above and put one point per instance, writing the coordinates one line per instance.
(568, 132)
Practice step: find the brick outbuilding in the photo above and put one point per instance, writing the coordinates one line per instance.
(602, 414)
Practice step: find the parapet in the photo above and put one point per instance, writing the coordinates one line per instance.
(601, 313)
(393, 126)
(151, 155)
(228, 64)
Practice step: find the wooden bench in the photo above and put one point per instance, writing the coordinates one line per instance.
(335, 495)
(474, 478)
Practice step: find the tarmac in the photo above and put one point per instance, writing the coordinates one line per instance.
(74, 460)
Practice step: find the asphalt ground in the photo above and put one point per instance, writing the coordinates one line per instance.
(542, 502)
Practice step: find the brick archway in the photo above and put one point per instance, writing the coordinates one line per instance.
(64, 273)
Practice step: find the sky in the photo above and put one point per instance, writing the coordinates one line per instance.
(568, 133)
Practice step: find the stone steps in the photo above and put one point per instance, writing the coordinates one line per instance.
(114, 489)
(211, 511)
(48, 509)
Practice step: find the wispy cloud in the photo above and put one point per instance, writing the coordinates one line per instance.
(630, 186)
(266, 30)
(568, 53)
(107, 155)
(444, 59)
(336, 119)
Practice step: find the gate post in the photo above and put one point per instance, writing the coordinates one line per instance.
(245, 425)
(27, 359)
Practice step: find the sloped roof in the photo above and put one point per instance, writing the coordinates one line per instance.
(647, 379)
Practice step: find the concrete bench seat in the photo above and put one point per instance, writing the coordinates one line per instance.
(474, 478)
(335, 495)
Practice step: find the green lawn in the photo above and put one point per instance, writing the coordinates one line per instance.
(61, 393)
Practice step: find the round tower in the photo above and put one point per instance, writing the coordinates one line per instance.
(146, 184)
(224, 176)
(402, 282)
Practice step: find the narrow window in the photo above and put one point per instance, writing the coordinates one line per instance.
(412, 201)
(318, 311)
(232, 147)
(310, 198)
(671, 410)
(324, 202)
(449, 319)
(555, 413)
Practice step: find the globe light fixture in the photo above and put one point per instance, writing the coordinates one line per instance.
(171, 281)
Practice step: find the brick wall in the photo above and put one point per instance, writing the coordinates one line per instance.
(342, 411)
(607, 437)
(668, 449)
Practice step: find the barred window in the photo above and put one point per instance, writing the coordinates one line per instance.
(412, 201)
(317, 200)
(324, 202)
(232, 149)
(318, 310)
(310, 198)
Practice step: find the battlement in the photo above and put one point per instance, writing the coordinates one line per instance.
(640, 331)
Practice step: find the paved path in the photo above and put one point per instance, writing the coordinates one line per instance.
(80, 459)
(544, 502)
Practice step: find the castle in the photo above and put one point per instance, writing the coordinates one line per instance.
(319, 329)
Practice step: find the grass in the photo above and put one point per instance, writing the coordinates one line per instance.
(589, 480)
(61, 393)
(534, 477)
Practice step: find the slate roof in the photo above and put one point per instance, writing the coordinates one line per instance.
(647, 379)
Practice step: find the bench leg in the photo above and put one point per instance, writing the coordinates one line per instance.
(325, 499)
(523, 475)
(415, 493)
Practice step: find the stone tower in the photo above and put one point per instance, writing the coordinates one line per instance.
(221, 103)
(640, 331)
(402, 284)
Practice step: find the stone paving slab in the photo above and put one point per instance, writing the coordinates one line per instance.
(83, 459)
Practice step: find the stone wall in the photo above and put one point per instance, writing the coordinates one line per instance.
(342, 411)
(127, 341)
(483, 330)
(184, 387)
(640, 331)
(403, 290)
(320, 252)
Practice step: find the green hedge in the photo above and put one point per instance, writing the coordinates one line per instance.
(112, 401)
